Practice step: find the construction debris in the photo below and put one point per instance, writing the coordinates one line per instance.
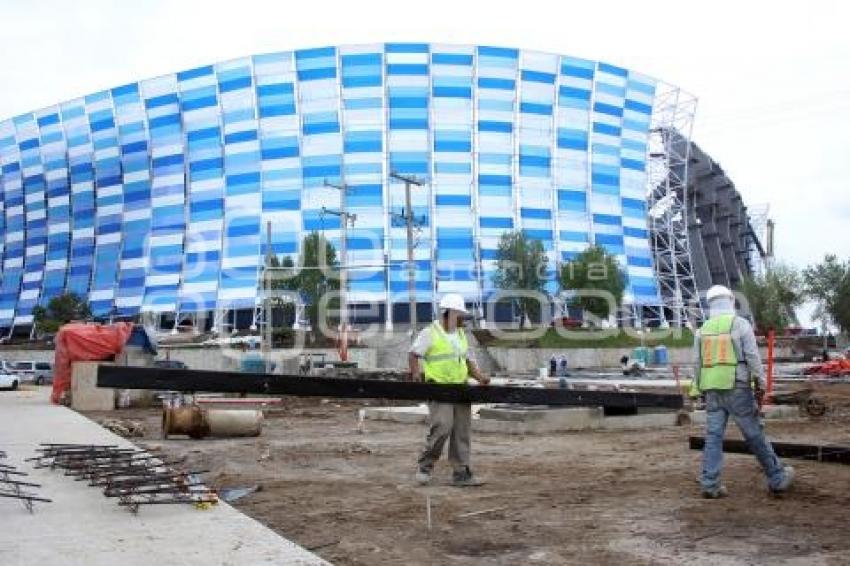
(831, 368)
(135, 477)
(230, 494)
(125, 428)
(817, 398)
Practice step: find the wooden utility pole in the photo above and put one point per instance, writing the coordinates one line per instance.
(411, 266)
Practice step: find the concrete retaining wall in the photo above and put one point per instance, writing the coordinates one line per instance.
(391, 355)
(26, 355)
(526, 359)
(226, 359)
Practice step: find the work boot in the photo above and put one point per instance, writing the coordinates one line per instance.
(465, 478)
(787, 480)
(715, 493)
(423, 476)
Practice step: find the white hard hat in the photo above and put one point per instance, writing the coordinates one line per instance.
(718, 291)
(454, 302)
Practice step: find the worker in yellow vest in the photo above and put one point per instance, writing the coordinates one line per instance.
(728, 371)
(440, 352)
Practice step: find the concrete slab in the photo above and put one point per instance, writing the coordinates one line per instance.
(770, 412)
(639, 421)
(781, 412)
(409, 415)
(531, 420)
(82, 527)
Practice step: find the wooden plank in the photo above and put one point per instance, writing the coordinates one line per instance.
(816, 452)
(272, 384)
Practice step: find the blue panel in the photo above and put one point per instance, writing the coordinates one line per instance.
(451, 59)
(612, 70)
(538, 77)
(536, 108)
(453, 200)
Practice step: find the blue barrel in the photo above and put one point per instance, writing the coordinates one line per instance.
(641, 354)
(661, 357)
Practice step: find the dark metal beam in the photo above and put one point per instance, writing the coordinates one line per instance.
(236, 382)
(816, 452)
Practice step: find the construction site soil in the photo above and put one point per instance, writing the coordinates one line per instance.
(348, 494)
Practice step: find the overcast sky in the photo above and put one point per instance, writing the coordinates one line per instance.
(772, 78)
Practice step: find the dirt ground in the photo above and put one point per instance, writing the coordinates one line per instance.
(571, 498)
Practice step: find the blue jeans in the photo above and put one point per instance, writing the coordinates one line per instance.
(740, 404)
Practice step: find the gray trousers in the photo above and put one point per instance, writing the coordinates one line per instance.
(451, 421)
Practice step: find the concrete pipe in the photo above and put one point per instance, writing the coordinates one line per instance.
(198, 422)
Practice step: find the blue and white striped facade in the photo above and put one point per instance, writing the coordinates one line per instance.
(155, 196)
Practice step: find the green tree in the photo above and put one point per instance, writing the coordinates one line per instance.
(521, 265)
(282, 277)
(597, 270)
(827, 284)
(60, 310)
(841, 311)
(318, 273)
(772, 297)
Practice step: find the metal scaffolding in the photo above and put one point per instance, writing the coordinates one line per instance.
(667, 181)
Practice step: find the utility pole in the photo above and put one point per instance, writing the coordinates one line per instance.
(267, 310)
(411, 267)
(344, 217)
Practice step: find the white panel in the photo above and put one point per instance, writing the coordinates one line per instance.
(156, 280)
(135, 263)
(139, 214)
(113, 238)
(83, 233)
(406, 58)
(169, 240)
(242, 261)
(242, 293)
(199, 287)
(55, 264)
(102, 295)
(167, 200)
(108, 210)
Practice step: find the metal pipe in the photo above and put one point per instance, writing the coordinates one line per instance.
(199, 422)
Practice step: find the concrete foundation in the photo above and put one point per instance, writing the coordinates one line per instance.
(537, 420)
(510, 419)
(408, 415)
(770, 413)
(640, 421)
(85, 394)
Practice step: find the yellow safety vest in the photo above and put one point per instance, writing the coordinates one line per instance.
(718, 361)
(444, 362)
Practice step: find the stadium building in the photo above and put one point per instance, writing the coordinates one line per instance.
(166, 195)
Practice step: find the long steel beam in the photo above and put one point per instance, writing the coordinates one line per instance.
(816, 452)
(125, 377)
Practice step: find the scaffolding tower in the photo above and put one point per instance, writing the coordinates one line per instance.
(667, 183)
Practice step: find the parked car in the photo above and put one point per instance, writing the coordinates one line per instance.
(7, 367)
(9, 380)
(35, 372)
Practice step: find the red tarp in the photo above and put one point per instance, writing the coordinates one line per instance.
(79, 342)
